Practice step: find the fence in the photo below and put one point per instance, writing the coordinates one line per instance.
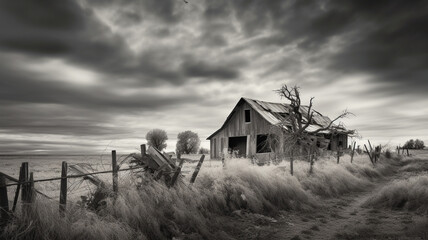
(25, 182)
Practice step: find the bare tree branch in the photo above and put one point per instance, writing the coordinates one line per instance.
(294, 126)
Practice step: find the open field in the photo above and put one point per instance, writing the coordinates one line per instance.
(344, 201)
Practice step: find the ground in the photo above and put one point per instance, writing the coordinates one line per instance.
(345, 217)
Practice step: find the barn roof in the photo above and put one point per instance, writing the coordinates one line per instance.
(275, 113)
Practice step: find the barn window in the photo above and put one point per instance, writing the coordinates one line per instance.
(263, 145)
(247, 116)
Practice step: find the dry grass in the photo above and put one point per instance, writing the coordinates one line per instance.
(409, 194)
(154, 211)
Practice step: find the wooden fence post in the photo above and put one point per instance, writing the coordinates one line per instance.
(291, 164)
(398, 150)
(311, 162)
(338, 155)
(18, 188)
(25, 188)
(31, 192)
(371, 160)
(177, 173)
(371, 149)
(353, 152)
(4, 201)
(198, 167)
(63, 190)
(143, 149)
(114, 172)
(407, 152)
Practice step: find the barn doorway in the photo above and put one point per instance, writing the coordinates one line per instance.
(239, 145)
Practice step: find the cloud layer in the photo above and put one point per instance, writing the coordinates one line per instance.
(102, 73)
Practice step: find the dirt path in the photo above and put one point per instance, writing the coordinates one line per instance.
(337, 216)
(346, 218)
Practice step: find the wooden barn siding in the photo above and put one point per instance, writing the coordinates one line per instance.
(236, 127)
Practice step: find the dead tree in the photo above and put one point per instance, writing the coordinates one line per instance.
(295, 136)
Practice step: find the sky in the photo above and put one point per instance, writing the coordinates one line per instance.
(85, 77)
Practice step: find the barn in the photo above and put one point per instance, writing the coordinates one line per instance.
(246, 129)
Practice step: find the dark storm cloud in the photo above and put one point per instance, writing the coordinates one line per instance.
(386, 39)
(67, 30)
(392, 46)
(22, 87)
(61, 29)
(202, 68)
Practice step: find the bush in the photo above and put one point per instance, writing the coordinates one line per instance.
(388, 154)
(203, 151)
(414, 144)
(188, 142)
(157, 138)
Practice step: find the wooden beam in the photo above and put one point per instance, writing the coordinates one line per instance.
(157, 157)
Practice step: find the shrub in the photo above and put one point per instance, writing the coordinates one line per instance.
(388, 154)
(188, 142)
(414, 144)
(157, 138)
(203, 151)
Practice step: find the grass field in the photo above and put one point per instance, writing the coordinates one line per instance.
(242, 195)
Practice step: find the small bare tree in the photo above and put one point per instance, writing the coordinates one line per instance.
(294, 133)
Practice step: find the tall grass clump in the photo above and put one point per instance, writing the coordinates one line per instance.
(258, 189)
(408, 194)
(329, 179)
(43, 221)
